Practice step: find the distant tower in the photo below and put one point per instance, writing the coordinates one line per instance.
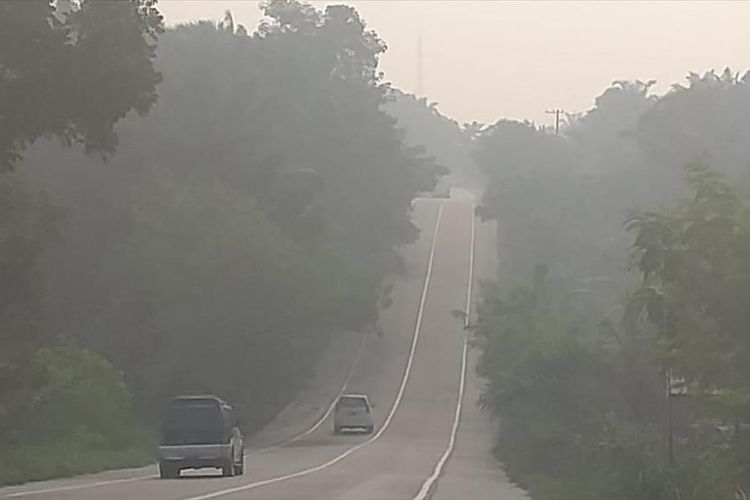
(420, 70)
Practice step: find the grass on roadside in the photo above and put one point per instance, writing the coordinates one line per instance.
(65, 459)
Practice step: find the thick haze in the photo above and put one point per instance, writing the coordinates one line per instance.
(263, 219)
(484, 60)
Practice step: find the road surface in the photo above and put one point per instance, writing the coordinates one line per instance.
(430, 440)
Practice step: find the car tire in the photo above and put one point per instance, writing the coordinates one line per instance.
(227, 470)
(239, 469)
(168, 471)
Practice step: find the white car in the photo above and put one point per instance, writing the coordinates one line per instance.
(353, 411)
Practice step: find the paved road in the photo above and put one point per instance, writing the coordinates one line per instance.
(414, 373)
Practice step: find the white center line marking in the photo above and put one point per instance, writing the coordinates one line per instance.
(428, 487)
(295, 438)
(325, 415)
(389, 417)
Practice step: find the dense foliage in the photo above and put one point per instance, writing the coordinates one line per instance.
(241, 224)
(578, 414)
(72, 414)
(578, 362)
(249, 192)
(443, 137)
(73, 70)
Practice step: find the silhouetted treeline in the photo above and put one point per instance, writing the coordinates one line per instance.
(440, 136)
(239, 226)
(71, 70)
(578, 361)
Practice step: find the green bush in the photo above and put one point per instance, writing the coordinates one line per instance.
(74, 416)
(67, 458)
(582, 420)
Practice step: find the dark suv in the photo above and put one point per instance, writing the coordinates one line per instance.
(200, 432)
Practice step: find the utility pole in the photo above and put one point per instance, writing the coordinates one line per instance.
(557, 113)
(676, 387)
(670, 428)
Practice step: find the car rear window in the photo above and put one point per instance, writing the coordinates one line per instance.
(199, 422)
(351, 402)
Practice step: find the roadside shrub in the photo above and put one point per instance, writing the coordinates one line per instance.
(74, 415)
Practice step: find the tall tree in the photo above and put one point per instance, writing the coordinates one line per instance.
(695, 264)
(73, 70)
(26, 224)
(441, 137)
(259, 201)
(702, 120)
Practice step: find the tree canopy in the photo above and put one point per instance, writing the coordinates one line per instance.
(242, 223)
(619, 316)
(73, 70)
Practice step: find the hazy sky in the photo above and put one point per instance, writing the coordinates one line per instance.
(484, 60)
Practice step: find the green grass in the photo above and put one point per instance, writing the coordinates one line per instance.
(65, 459)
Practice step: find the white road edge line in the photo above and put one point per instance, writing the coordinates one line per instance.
(75, 486)
(297, 437)
(391, 413)
(262, 450)
(428, 487)
(325, 415)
